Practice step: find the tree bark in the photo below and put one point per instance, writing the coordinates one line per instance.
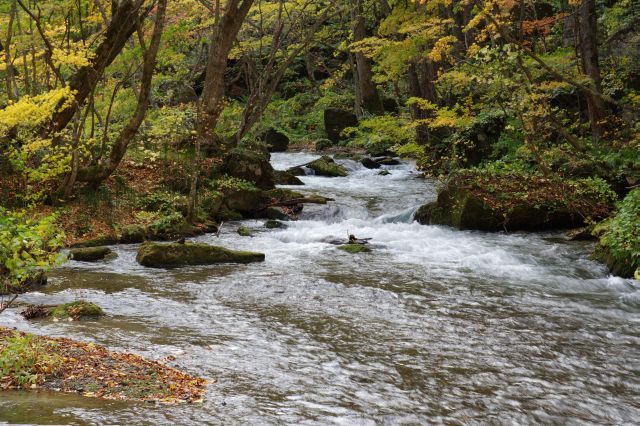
(212, 98)
(95, 175)
(588, 46)
(370, 97)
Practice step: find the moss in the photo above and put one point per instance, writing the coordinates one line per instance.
(354, 248)
(619, 244)
(102, 240)
(274, 224)
(384, 172)
(283, 177)
(77, 310)
(89, 254)
(132, 234)
(489, 201)
(325, 166)
(156, 255)
(243, 231)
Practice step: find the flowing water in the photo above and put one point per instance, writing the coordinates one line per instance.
(434, 326)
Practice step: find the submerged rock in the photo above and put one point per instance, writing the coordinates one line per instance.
(89, 254)
(156, 255)
(354, 248)
(384, 172)
(326, 166)
(296, 171)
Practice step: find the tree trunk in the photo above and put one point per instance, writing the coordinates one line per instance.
(95, 175)
(212, 99)
(126, 16)
(370, 98)
(590, 66)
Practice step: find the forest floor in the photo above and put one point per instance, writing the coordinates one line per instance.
(93, 371)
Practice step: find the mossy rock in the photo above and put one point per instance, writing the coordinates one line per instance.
(326, 166)
(370, 163)
(244, 201)
(156, 255)
(90, 254)
(283, 177)
(296, 171)
(384, 172)
(102, 240)
(274, 224)
(348, 156)
(514, 201)
(354, 248)
(243, 231)
(322, 144)
(132, 234)
(251, 166)
(80, 309)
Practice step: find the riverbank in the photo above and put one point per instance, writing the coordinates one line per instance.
(58, 364)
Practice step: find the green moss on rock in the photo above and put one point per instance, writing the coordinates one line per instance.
(486, 201)
(132, 234)
(80, 309)
(354, 248)
(89, 254)
(243, 231)
(274, 224)
(326, 166)
(157, 255)
(102, 240)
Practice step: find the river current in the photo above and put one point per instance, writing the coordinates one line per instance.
(435, 325)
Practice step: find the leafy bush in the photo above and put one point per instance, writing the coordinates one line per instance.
(24, 362)
(380, 134)
(621, 239)
(27, 247)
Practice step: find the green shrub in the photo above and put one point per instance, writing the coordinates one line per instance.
(621, 240)
(27, 247)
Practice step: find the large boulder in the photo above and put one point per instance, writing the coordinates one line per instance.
(275, 140)
(156, 255)
(249, 165)
(326, 166)
(89, 254)
(515, 201)
(244, 200)
(336, 120)
(284, 177)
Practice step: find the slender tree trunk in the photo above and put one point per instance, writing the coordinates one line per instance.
(370, 98)
(590, 66)
(95, 175)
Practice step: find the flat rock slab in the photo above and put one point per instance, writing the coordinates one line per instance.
(155, 255)
(90, 254)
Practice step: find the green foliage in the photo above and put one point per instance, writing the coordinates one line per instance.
(229, 183)
(24, 362)
(382, 133)
(27, 246)
(622, 236)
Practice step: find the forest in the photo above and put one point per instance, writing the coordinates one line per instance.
(310, 211)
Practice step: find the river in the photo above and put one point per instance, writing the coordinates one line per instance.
(435, 325)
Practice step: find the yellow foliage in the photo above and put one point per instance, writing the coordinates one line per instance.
(32, 111)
